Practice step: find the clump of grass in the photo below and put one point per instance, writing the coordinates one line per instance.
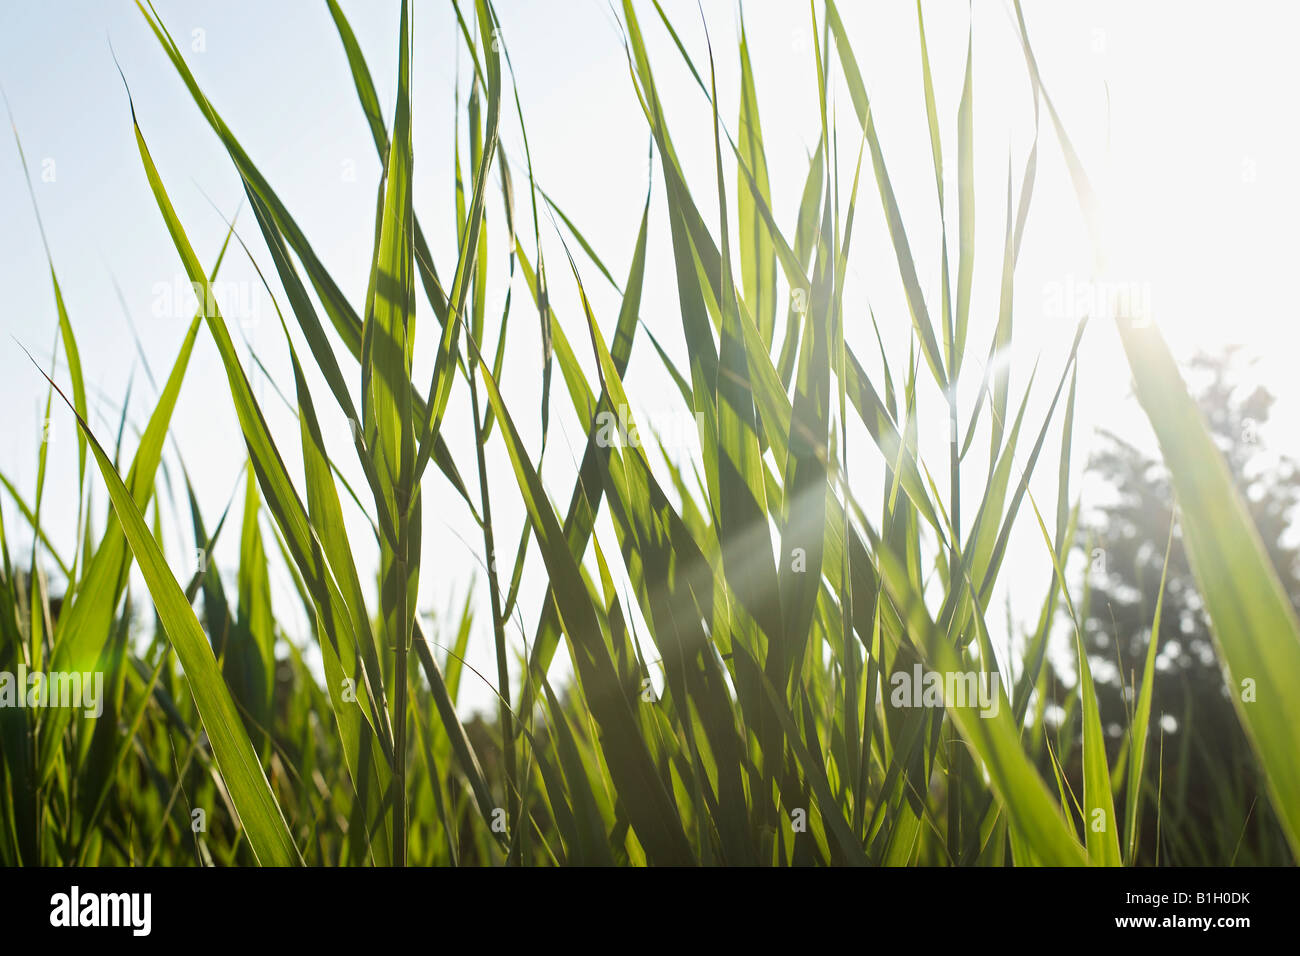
(777, 602)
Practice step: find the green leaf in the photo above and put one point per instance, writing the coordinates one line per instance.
(757, 256)
(1142, 719)
(1251, 617)
(259, 813)
(893, 218)
(648, 804)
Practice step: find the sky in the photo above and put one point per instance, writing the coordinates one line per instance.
(1183, 117)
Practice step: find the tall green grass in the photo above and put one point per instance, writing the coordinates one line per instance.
(777, 601)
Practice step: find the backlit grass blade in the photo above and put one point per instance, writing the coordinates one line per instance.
(326, 516)
(588, 490)
(365, 88)
(249, 660)
(368, 757)
(1100, 826)
(460, 742)
(893, 218)
(445, 362)
(965, 206)
(740, 507)
(1253, 622)
(805, 238)
(345, 320)
(805, 475)
(388, 350)
(677, 589)
(83, 628)
(347, 324)
(1082, 185)
(323, 355)
(1142, 719)
(995, 739)
(757, 258)
(590, 844)
(259, 813)
(641, 790)
(998, 369)
(683, 215)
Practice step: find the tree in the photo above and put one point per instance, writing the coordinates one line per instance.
(1210, 775)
